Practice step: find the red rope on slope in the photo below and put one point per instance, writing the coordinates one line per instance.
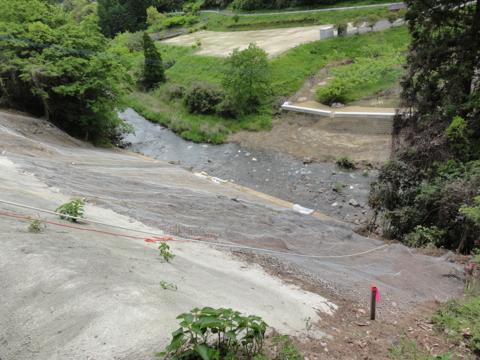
(153, 239)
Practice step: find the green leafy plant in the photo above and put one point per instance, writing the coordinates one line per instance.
(72, 210)
(165, 252)
(210, 333)
(36, 226)
(423, 236)
(168, 285)
(458, 136)
(472, 212)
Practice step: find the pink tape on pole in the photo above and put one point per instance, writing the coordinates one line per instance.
(374, 289)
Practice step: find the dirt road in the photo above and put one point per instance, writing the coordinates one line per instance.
(99, 297)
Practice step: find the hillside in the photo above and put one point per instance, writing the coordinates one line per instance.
(112, 278)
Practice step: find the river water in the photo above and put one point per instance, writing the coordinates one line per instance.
(321, 186)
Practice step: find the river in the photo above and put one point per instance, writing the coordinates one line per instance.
(320, 186)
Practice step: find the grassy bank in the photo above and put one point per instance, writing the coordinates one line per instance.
(289, 72)
(218, 22)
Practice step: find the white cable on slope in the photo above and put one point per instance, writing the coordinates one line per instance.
(234, 246)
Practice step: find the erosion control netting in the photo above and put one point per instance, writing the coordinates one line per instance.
(168, 198)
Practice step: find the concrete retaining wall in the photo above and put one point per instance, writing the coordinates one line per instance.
(332, 113)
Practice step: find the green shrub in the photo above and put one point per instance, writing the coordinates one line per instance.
(342, 29)
(227, 108)
(216, 334)
(423, 236)
(335, 92)
(72, 210)
(457, 134)
(346, 163)
(202, 98)
(472, 212)
(36, 226)
(175, 91)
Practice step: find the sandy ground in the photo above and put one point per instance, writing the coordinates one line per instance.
(94, 296)
(274, 42)
(320, 138)
(324, 139)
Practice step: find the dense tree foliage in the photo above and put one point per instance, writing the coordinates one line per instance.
(247, 78)
(153, 70)
(437, 168)
(55, 66)
(122, 15)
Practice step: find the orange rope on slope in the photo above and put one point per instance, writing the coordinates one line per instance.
(153, 239)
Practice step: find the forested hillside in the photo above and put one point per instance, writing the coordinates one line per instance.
(53, 63)
(429, 195)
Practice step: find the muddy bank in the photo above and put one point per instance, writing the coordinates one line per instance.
(319, 185)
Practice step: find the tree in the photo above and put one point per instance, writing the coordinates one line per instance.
(153, 71)
(54, 66)
(247, 78)
(122, 15)
(437, 137)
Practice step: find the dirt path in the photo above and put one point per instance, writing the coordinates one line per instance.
(85, 295)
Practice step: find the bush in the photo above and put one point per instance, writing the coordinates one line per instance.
(202, 98)
(36, 226)
(457, 134)
(335, 92)
(342, 29)
(227, 108)
(346, 163)
(175, 92)
(423, 236)
(216, 334)
(72, 210)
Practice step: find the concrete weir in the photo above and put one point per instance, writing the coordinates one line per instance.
(328, 112)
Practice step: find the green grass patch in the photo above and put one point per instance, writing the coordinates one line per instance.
(409, 350)
(290, 70)
(218, 22)
(336, 4)
(365, 77)
(461, 321)
(194, 127)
